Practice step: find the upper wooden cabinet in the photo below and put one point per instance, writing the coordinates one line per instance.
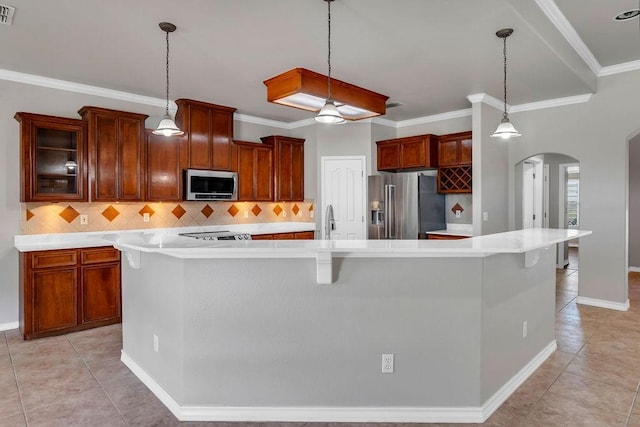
(49, 146)
(255, 171)
(288, 175)
(116, 143)
(209, 129)
(454, 149)
(166, 158)
(410, 153)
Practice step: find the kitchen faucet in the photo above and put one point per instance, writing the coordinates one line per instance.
(329, 222)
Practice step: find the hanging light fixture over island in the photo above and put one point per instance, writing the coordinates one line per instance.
(167, 126)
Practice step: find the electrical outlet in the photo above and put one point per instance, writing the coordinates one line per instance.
(246, 214)
(485, 216)
(387, 363)
(155, 343)
(284, 214)
(458, 213)
(311, 214)
(84, 220)
(145, 217)
(524, 329)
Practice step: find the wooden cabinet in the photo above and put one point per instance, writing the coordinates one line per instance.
(455, 158)
(68, 289)
(432, 236)
(454, 149)
(288, 175)
(209, 130)
(255, 171)
(166, 158)
(410, 153)
(116, 143)
(49, 147)
(298, 235)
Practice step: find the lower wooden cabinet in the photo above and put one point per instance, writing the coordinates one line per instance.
(431, 236)
(68, 290)
(299, 235)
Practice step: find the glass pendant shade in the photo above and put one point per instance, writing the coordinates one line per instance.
(505, 130)
(329, 114)
(70, 164)
(168, 127)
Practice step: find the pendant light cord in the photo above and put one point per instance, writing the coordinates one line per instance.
(167, 105)
(329, 48)
(504, 53)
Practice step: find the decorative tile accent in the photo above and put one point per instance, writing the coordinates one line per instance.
(110, 213)
(207, 211)
(69, 214)
(277, 210)
(295, 209)
(457, 207)
(233, 210)
(256, 209)
(29, 214)
(178, 211)
(146, 209)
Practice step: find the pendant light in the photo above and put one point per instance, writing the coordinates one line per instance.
(505, 129)
(167, 126)
(329, 113)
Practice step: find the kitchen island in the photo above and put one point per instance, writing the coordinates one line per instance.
(295, 330)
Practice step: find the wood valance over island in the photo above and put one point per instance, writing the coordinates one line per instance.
(295, 330)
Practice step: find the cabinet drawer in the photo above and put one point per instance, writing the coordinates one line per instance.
(57, 258)
(97, 255)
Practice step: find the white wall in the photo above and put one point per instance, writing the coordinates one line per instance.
(634, 202)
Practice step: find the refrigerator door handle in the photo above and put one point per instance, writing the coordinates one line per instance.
(389, 211)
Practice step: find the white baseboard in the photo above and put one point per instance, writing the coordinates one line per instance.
(603, 303)
(634, 269)
(8, 326)
(342, 414)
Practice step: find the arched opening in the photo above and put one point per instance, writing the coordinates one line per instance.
(547, 195)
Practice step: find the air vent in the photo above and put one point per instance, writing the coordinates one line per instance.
(6, 14)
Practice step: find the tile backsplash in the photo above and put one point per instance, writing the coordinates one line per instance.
(462, 202)
(41, 218)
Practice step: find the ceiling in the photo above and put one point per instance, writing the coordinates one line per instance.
(427, 55)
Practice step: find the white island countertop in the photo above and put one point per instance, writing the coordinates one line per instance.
(519, 241)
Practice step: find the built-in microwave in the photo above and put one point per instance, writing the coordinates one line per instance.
(209, 185)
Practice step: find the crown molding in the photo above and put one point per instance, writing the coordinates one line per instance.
(48, 82)
(539, 105)
(619, 68)
(563, 25)
(435, 118)
(487, 99)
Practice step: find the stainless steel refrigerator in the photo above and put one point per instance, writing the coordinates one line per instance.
(404, 206)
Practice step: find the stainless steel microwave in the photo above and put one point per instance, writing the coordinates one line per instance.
(209, 185)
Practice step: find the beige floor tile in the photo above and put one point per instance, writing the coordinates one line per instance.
(90, 408)
(113, 374)
(93, 354)
(7, 382)
(10, 405)
(555, 410)
(128, 398)
(56, 385)
(605, 371)
(594, 393)
(96, 336)
(636, 408)
(151, 413)
(610, 351)
(14, 421)
(634, 421)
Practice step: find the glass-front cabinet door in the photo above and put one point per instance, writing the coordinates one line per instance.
(53, 161)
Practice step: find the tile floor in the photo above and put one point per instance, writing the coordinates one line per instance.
(78, 379)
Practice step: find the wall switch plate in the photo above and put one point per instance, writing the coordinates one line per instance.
(524, 329)
(145, 217)
(246, 214)
(155, 343)
(485, 216)
(311, 214)
(84, 219)
(387, 363)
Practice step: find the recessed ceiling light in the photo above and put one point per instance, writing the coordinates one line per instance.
(629, 14)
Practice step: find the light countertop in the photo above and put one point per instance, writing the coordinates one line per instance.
(42, 242)
(519, 241)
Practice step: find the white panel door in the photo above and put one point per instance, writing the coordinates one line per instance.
(344, 188)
